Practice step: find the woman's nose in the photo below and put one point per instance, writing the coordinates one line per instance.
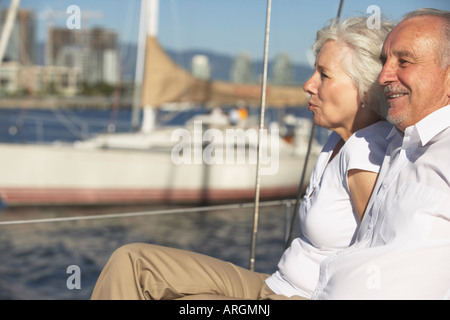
(310, 85)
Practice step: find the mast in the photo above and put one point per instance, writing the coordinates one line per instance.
(149, 112)
(139, 71)
(7, 28)
(148, 27)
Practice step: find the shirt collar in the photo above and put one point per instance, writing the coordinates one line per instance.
(434, 123)
(428, 127)
(395, 131)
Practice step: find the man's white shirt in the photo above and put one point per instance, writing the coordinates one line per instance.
(403, 245)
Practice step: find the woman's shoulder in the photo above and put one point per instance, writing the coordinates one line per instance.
(380, 129)
(366, 148)
(375, 135)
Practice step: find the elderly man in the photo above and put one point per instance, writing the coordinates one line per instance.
(403, 245)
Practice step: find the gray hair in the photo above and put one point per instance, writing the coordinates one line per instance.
(443, 45)
(365, 44)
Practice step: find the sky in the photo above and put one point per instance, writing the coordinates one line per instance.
(223, 26)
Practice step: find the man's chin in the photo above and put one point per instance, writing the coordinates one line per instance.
(396, 118)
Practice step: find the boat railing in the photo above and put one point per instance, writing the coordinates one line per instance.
(286, 203)
(283, 207)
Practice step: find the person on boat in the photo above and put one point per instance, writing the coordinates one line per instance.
(402, 250)
(346, 99)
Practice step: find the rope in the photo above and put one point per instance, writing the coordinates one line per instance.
(261, 127)
(300, 188)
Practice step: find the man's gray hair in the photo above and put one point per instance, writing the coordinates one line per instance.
(365, 44)
(444, 43)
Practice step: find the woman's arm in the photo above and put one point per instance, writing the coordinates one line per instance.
(361, 184)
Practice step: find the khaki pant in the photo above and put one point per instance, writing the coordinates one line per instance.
(143, 271)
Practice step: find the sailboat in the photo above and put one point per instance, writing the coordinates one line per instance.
(209, 160)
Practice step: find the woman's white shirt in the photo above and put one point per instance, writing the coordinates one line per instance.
(328, 219)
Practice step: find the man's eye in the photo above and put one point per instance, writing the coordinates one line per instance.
(403, 62)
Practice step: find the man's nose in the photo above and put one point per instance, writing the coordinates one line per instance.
(388, 74)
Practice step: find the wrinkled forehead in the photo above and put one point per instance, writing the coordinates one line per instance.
(415, 36)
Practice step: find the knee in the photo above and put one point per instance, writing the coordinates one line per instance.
(124, 252)
(138, 250)
(129, 249)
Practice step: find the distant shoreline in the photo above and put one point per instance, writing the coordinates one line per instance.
(64, 102)
(51, 103)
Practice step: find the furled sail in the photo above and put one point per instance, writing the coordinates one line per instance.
(164, 81)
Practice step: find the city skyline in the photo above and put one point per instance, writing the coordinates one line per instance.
(226, 27)
(76, 60)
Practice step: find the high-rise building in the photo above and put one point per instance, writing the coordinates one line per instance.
(200, 67)
(282, 72)
(242, 70)
(22, 42)
(95, 51)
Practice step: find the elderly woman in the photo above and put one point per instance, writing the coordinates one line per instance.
(345, 99)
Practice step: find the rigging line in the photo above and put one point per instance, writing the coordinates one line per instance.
(69, 125)
(261, 127)
(301, 186)
(146, 213)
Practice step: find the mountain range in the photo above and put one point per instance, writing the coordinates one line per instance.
(221, 64)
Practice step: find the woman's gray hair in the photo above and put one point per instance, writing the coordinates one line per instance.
(365, 44)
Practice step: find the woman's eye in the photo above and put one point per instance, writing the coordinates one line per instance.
(323, 75)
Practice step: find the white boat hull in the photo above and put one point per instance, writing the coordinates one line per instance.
(65, 174)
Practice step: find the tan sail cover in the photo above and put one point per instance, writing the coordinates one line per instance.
(165, 81)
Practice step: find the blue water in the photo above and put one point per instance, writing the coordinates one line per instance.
(34, 257)
(68, 125)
